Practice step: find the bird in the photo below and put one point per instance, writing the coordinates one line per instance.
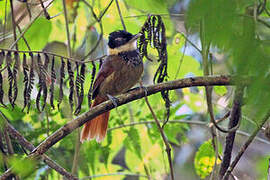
(120, 71)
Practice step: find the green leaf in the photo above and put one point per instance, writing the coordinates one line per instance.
(219, 17)
(2, 12)
(172, 130)
(91, 155)
(105, 152)
(37, 35)
(220, 90)
(205, 159)
(19, 165)
(149, 6)
(13, 114)
(133, 141)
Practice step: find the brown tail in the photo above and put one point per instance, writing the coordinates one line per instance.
(97, 127)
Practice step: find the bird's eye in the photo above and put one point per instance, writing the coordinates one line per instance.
(119, 39)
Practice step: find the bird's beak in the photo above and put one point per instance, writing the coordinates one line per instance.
(135, 37)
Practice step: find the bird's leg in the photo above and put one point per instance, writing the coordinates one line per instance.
(144, 88)
(113, 99)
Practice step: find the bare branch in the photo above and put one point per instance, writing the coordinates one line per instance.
(120, 14)
(56, 55)
(234, 122)
(13, 22)
(245, 146)
(114, 174)
(164, 137)
(268, 172)
(190, 122)
(67, 29)
(28, 26)
(131, 96)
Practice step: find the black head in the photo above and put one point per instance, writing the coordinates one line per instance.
(119, 38)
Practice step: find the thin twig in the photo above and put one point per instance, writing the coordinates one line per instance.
(5, 24)
(191, 43)
(77, 141)
(245, 146)
(46, 14)
(199, 123)
(25, 41)
(164, 138)
(120, 14)
(181, 60)
(67, 29)
(101, 30)
(114, 174)
(10, 149)
(208, 92)
(97, 43)
(28, 26)
(131, 96)
(13, 22)
(165, 14)
(268, 171)
(57, 55)
(28, 10)
(105, 10)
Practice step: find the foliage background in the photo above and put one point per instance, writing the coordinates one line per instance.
(239, 45)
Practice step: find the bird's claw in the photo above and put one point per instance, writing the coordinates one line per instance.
(113, 99)
(145, 90)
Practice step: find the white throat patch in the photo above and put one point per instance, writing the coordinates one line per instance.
(127, 47)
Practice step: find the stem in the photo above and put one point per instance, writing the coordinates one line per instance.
(164, 138)
(245, 146)
(234, 121)
(120, 14)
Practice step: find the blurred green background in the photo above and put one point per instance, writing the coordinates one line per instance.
(238, 34)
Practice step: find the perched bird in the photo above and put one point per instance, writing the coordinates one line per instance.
(121, 70)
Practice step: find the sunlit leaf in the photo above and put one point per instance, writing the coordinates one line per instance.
(205, 159)
(133, 141)
(220, 90)
(19, 165)
(37, 35)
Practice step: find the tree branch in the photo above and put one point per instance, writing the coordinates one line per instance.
(245, 146)
(131, 96)
(190, 122)
(23, 142)
(164, 137)
(234, 121)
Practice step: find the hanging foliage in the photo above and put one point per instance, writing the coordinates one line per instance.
(154, 35)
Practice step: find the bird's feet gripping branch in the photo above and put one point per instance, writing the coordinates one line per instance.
(121, 70)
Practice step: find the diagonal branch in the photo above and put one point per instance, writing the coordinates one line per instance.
(245, 146)
(28, 26)
(131, 96)
(120, 14)
(56, 55)
(24, 143)
(190, 122)
(164, 137)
